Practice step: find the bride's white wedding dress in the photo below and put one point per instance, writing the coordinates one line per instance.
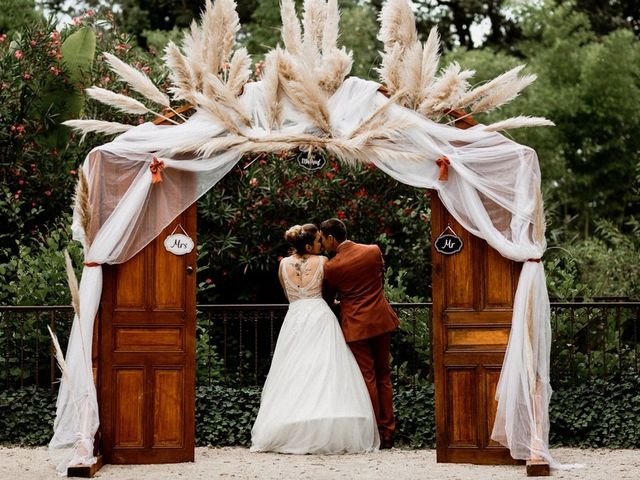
(314, 399)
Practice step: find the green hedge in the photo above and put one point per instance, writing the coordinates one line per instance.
(26, 416)
(599, 414)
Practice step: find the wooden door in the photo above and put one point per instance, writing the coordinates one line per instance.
(473, 294)
(146, 364)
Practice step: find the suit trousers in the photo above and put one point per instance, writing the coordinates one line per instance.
(372, 355)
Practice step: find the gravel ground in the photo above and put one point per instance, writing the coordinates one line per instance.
(396, 464)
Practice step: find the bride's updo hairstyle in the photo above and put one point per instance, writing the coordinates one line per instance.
(299, 236)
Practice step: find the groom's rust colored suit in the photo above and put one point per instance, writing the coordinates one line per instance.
(356, 275)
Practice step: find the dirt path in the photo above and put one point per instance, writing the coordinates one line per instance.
(239, 463)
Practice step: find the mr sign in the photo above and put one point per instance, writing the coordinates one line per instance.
(178, 243)
(448, 242)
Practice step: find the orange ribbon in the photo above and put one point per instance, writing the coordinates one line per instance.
(443, 163)
(537, 260)
(156, 167)
(91, 264)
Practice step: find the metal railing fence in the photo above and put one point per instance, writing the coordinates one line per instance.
(235, 343)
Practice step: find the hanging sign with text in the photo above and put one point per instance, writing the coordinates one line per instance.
(311, 159)
(448, 242)
(179, 243)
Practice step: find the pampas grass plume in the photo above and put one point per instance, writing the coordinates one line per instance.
(138, 80)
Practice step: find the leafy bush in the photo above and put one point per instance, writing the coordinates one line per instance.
(36, 274)
(26, 416)
(414, 408)
(225, 415)
(597, 414)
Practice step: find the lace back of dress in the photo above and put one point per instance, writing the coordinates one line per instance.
(304, 289)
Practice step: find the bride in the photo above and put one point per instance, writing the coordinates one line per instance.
(314, 399)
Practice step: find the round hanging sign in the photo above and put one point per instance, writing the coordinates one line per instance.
(179, 243)
(311, 160)
(448, 242)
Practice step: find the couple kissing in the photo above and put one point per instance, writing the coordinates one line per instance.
(329, 390)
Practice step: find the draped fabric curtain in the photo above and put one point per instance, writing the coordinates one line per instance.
(493, 190)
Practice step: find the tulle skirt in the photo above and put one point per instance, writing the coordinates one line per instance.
(314, 399)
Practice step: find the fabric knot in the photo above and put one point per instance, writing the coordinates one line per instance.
(443, 162)
(537, 260)
(91, 264)
(156, 167)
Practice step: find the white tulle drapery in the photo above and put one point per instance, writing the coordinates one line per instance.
(493, 190)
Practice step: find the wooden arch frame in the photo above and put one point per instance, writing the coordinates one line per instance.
(470, 332)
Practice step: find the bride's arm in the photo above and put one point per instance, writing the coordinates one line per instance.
(281, 278)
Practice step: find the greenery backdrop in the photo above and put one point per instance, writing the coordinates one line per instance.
(587, 58)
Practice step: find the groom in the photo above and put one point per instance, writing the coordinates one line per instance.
(356, 275)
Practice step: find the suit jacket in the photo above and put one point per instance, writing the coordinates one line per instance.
(356, 275)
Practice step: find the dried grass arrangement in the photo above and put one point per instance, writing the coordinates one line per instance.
(209, 71)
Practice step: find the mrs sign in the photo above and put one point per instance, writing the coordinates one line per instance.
(142, 185)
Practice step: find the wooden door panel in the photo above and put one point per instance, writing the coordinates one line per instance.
(491, 377)
(461, 386)
(168, 415)
(168, 289)
(478, 338)
(130, 288)
(461, 276)
(149, 339)
(147, 362)
(128, 389)
(498, 285)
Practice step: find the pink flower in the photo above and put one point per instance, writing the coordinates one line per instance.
(146, 69)
(33, 43)
(19, 129)
(54, 35)
(77, 20)
(19, 54)
(90, 13)
(34, 204)
(106, 79)
(55, 71)
(121, 46)
(341, 215)
(47, 193)
(208, 281)
(20, 182)
(3, 37)
(26, 76)
(72, 172)
(253, 182)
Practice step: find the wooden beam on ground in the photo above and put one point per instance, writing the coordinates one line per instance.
(538, 468)
(86, 471)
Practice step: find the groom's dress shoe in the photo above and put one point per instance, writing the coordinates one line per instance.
(386, 443)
